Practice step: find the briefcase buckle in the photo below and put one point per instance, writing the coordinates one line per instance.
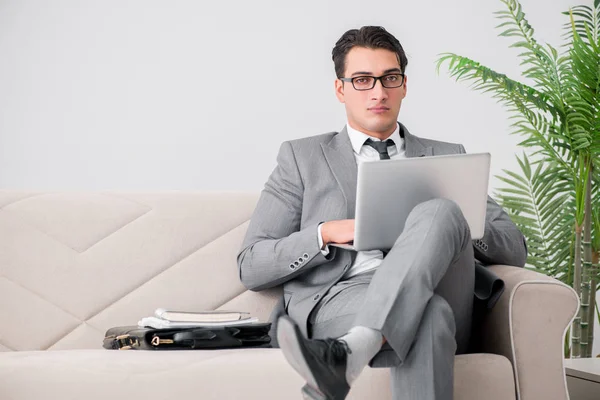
(126, 342)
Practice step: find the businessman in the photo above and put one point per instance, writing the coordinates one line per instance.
(409, 309)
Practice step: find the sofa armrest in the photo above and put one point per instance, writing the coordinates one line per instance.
(527, 326)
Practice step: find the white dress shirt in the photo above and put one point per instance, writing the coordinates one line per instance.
(367, 260)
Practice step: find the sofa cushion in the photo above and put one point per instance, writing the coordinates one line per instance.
(208, 375)
(73, 265)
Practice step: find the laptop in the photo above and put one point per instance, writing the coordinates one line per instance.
(387, 191)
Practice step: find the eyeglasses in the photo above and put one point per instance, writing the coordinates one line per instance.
(368, 82)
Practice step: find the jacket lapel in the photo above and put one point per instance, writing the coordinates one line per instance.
(340, 157)
(413, 146)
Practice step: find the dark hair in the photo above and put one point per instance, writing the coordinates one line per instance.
(372, 37)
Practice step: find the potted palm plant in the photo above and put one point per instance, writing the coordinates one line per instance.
(554, 197)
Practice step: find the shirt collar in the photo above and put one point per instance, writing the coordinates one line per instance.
(358, 139)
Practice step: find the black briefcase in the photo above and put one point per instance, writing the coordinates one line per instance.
(138, 338)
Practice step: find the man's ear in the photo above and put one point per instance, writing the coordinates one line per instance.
(339, 90)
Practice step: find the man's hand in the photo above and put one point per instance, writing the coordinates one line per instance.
(341, 231)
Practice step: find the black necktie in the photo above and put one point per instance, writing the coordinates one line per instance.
(381, 147)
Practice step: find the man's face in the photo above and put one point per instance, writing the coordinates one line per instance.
(373, 111)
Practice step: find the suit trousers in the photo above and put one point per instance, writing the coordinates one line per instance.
(420, 298)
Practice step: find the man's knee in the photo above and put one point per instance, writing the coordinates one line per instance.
(445, 214)
(443, 207)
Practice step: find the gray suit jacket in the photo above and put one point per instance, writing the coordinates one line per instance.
(314, 182)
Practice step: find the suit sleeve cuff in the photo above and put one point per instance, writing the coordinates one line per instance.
(324, 250)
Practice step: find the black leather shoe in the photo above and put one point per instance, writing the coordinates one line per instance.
(321, 362)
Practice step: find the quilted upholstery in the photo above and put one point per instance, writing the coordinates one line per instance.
(73, 265)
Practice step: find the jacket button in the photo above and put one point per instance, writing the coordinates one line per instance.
(317, 297)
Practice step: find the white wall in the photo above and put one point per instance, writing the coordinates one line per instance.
(127, 94)
(146, 94)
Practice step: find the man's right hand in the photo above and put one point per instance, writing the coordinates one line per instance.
(341, 231)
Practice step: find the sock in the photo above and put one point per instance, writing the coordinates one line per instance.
(364, 343)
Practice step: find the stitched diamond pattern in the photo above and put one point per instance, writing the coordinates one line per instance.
(73, 265)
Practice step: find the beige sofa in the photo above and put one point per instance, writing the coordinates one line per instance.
(73, 265)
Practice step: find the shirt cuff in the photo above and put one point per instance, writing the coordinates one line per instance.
(324, 251)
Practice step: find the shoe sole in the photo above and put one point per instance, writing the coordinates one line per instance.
(288, 338)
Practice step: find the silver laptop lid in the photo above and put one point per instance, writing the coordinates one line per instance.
(387, 192)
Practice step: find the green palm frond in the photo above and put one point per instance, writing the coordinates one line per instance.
(487, 80)
(540, 134)
(583, 86)
(557, 114)
(535, 117)
(545, 66)
(539, 205)
(585, 18)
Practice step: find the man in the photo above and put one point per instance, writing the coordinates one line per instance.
(409, 309)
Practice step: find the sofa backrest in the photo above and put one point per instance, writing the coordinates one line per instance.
(73, 264)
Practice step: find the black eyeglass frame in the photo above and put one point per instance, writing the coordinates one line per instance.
(375, 79)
